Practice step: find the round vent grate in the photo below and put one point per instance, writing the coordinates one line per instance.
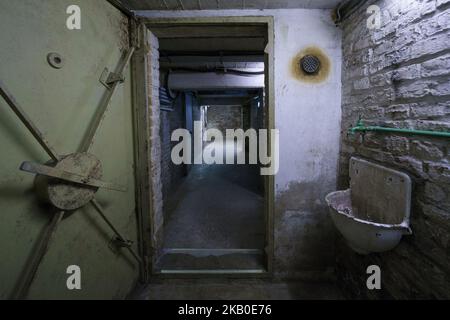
(310, 64)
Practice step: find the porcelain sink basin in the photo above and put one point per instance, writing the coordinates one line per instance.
(373, 214)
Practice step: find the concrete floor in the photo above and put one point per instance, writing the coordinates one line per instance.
(216, 207)
(209, 289)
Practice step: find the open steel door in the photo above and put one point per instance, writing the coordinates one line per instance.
(67, 179)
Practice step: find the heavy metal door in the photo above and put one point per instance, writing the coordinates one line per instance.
(67, 185)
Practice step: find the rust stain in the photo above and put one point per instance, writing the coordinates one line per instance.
(325, 66)
(334, 15)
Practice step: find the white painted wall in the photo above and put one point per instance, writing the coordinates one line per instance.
(308, 118)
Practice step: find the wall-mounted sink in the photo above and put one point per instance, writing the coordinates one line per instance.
(374, 213)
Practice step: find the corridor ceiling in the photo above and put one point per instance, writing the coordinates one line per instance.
(227, 4)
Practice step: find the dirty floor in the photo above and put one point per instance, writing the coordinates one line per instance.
(215, 207)
(258, 289)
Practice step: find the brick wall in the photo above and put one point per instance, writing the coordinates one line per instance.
(399, 76)
(155, 141)
(224, 117)
(171, 174)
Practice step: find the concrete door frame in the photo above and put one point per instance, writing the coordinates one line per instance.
(144, 108)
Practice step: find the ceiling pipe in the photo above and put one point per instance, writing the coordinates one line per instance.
(346, 8)
(227, 53)
(218, 70)
(361, 127)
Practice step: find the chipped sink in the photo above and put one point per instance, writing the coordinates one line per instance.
(373, 214)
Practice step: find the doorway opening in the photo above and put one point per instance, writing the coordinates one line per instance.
(216, 217)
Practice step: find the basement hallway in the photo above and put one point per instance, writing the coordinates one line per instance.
(215, 220)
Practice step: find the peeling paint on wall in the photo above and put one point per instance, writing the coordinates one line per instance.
(304, 232)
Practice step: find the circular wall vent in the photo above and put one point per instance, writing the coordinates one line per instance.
(310, 64)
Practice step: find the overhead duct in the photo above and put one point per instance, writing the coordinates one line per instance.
(213, 81)
(346, 8)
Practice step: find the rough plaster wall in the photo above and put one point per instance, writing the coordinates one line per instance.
(308, 117)
(224, 117)
(153, 80)
(171, 174)
(62, 103)
(398, 76)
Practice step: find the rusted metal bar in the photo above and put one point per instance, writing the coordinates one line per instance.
(38, 255)
(20, 113)
(89, 138)
(99, 209)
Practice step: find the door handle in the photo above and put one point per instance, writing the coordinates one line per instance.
(44, 170)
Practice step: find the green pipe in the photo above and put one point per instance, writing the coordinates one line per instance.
(360, 127)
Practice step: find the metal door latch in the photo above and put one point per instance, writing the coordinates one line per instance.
(109, 78)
